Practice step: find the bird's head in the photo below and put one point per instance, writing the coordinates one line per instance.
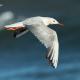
(54, 21)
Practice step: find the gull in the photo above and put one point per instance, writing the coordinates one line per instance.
(39, 27)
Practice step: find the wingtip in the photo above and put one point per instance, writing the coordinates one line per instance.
(51, 63)
(54, 65)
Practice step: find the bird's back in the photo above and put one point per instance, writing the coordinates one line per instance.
(32, 20)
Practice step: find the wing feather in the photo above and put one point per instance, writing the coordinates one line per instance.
(48, 37)
(43, 33)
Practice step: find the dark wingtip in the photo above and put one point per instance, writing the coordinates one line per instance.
(50, 62)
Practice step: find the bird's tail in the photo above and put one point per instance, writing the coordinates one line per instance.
(53, 55)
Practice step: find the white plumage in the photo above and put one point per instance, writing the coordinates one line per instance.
(47, 36)
(39, 27)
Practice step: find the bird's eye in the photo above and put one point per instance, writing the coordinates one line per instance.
(53, 21)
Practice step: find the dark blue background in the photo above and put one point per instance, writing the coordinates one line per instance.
(24, 58)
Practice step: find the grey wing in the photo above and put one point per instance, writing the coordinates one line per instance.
(43, 34)
(48, 37)
(54, 51)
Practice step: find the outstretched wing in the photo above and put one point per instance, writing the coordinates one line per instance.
(18, 28)
(48, 37)
(53, 51)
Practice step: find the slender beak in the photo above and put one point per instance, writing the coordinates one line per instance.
(61, 24)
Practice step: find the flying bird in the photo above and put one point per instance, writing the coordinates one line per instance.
(39, 27)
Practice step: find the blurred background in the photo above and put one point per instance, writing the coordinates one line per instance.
(24, 58)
